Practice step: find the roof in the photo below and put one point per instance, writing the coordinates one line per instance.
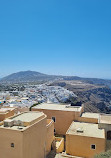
(105, 119)
(28, 116)
(61, 107)
(5, 110)
(86, 129)
(91, 115)
(23, 121)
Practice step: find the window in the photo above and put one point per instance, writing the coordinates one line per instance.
(54, 130)
(12, 145)
(93, 146)
(54, 119)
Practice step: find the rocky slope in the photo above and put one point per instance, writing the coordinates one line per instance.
(94, 93)
(96, 98)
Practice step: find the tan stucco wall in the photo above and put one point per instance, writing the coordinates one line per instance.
(9, 114)
(88, 120)
(29, 143)
(3, 116)
(6, 138)
(81, 146)
(50, 135)
(107, 128)
(34, 140)
(63, 119)
(59, 145)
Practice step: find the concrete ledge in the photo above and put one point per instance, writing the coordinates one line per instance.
(69, 156)
(59, 144)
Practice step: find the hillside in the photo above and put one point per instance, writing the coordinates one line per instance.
(96, 98)
(27, 76)
(96, 81)
(33, 76)
(94, 93)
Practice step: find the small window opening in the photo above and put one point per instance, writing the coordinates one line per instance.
(12, 145)
(93, 146)
(54, 119)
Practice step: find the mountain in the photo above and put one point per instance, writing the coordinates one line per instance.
(33, 76)
(27, 76)
(94, 93)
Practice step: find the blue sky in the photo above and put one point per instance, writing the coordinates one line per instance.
(68, 37)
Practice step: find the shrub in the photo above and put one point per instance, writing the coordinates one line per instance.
(30, 109)
(104, 155)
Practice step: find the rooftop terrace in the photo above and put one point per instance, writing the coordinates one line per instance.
(62, 107)
(86, 129)
(5, 110)
(23, 120)
(105, 119)
(91, 115)
(28, 116)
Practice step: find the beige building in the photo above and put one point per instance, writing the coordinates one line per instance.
(27, 135)
(89, 131)
(21, 109)
(6, 112)
(50, 135)
(85, 140)
(105, 123)
(89, 117)
(90, 134)
(61, 114)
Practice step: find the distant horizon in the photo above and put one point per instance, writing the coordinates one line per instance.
(55, 75)
(71, 38)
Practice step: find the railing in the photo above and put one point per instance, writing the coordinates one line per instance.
(49, 122)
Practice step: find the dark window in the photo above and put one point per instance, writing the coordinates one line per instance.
(54, 130)
(12, 145)
(53, 118)
(93, 146)
(51, 147)
(109, 135)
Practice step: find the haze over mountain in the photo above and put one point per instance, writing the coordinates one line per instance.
(26, 76)
(33, 76)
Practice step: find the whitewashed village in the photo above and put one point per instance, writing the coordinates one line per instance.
(34, 94)
(33, 114)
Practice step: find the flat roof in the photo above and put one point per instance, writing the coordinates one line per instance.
(28, 116)
(91, 115)
(86, 129)
(54, 106)
(105, 119)
(4, 110)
